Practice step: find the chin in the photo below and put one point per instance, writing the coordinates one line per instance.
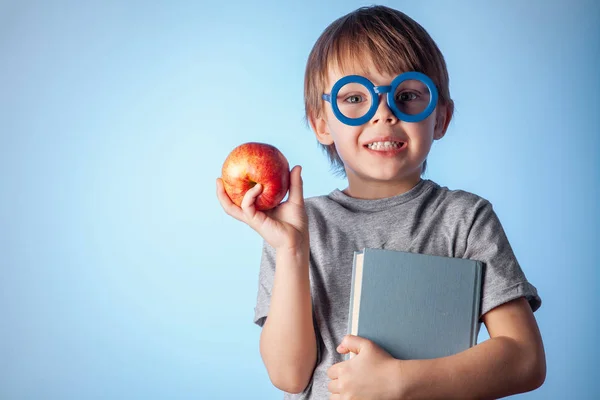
(395, 175)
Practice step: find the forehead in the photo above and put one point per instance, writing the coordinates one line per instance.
(369, 71)
(378, 68)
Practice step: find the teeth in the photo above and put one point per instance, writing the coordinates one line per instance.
(384, 145)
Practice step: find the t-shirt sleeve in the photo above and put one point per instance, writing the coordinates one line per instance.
(265, 284)
(503, 278)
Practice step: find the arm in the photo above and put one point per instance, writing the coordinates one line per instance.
(511, 361)
(287, 342)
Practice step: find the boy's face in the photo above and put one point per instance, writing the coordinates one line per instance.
(377, 170)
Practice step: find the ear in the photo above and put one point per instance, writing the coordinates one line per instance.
(442, 120)
(319, 126)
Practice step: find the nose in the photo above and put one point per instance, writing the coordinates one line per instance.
(383, 114)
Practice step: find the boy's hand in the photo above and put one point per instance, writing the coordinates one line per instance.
(283, 227)
(371, 374)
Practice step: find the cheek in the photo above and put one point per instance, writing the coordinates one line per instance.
(343, 135)
(345, 139)
(422, 131)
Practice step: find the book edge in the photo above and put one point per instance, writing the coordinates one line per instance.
(355, 294)
(475, 324)
(351, 302)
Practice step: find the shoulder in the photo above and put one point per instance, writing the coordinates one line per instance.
(458, 211)
(458, 200)
(458, 196)
(319, 206)
(316, 202)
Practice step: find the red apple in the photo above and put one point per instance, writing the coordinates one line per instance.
(252, 163)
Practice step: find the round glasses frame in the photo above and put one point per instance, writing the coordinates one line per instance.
(375, 91)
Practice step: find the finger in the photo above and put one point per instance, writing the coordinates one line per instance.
(250, 198)
(333, 372)
(253, 217)
(334, 386)
(296, 186)
(229, 207)
(351, 343)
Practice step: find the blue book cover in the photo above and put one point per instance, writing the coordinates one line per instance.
(415, 306)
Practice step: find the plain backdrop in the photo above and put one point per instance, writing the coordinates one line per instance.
(120, 275)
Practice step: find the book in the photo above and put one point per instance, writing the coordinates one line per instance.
(415, 306)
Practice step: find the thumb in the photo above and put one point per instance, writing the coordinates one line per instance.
(352, 344)
(296, 191)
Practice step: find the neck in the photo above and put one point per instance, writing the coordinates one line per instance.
(372, 190)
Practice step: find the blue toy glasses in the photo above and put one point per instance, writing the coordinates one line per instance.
(412, 97)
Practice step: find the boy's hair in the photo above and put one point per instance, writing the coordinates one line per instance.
(388, 38)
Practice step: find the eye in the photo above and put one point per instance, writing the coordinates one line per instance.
(406, 96)
(354, 99)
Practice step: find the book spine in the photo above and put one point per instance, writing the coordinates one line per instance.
(476, 302)
(351, 299)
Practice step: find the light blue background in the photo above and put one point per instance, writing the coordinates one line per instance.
(120, 275)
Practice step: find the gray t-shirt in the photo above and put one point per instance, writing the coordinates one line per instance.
(428, 219)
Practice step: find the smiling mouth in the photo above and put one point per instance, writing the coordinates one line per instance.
(385, 146)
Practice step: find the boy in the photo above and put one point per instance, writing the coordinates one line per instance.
(376, 96)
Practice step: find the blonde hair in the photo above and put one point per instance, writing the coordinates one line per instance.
(389, 39)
